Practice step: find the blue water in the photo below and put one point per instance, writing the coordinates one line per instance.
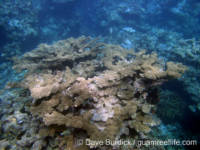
(168, 27)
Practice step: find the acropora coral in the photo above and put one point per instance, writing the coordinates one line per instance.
(77, 96)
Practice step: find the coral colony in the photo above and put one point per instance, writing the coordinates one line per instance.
(77, 96)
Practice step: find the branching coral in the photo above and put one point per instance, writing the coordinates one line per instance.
(101, 105)
(171, 106)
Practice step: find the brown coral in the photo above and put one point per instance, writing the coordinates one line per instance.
(101, 97)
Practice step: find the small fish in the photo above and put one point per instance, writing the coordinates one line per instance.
(66, 133)
(20, 122)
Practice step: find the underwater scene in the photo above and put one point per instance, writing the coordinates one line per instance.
(99, 74)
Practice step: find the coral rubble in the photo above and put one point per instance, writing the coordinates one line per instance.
(77, 95)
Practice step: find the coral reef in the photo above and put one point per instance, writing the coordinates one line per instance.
(191, 83)
(18, 128)
(77, 96)
(8, 74)
(169, 46)
(172, 131)
(171, 106)
(19, 22)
